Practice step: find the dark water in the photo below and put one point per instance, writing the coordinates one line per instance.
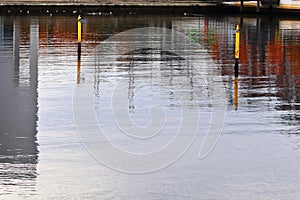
(256, 157)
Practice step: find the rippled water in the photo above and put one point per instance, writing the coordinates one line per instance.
(177, 62)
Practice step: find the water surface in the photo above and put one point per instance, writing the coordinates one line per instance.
(257, 156)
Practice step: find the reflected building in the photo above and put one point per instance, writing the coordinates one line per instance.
(18, 108)
(269, 62)
(269, 57)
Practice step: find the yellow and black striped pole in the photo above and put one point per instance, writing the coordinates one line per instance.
(236, 66)
(79, 47)
(237, 43)
(79, 36)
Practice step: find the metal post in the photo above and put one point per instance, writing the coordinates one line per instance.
(79, 36)
(236, 65)
(237, 43)
(242, 6)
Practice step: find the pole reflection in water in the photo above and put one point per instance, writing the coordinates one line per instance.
(78, 72)
(236, 86)
(156, 72)
(18, 109)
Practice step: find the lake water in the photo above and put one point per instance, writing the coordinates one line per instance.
(53, 106)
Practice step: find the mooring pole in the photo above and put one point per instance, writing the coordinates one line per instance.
(79, 36)
(258, 6)
(237, 44)
(236, 65)
(242, 6)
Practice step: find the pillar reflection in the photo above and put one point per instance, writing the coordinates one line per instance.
(16, 50)
(18, 108)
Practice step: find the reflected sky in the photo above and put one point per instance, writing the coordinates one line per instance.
(41, 153)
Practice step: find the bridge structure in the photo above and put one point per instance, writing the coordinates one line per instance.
(210, 6)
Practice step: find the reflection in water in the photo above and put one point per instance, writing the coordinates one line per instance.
(269, 62)
(78, 71)
(18, 108)
(236, 86)
(257, 87)
(141, 65)
(154, 66)
(272, 66)
(254, 156)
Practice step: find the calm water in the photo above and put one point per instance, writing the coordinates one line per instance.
(176, 62)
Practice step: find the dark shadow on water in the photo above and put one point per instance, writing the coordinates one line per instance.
(18, 108)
